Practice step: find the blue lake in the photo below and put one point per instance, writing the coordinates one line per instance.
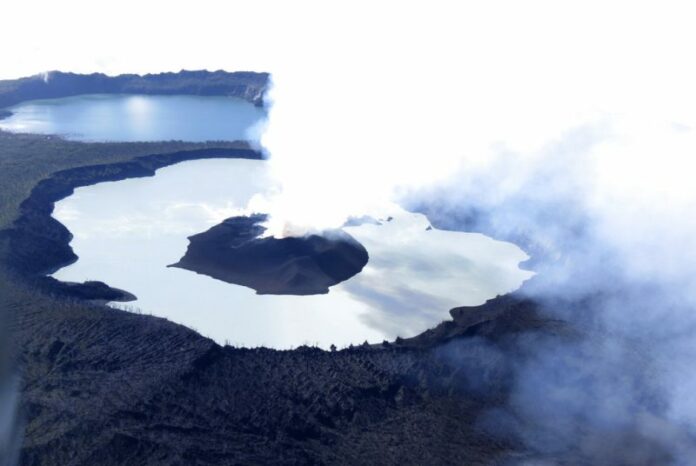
(102, 117)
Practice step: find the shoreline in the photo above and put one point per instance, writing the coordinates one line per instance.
(40, 244)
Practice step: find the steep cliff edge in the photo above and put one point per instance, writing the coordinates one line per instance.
(245, 85)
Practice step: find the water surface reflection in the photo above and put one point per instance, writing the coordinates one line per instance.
(127, 232)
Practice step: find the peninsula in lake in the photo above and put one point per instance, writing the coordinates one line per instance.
(235, 252)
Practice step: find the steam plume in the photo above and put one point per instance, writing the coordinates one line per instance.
(573, 136)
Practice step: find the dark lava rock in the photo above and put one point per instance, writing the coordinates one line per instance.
(89, 290)
(234, 252)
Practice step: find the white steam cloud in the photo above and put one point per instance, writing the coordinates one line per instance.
(396, 99)
(615, 258)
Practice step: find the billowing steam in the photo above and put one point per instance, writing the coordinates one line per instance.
(575, 136)
(615, 258)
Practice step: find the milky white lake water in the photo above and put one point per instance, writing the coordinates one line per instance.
(127, 232)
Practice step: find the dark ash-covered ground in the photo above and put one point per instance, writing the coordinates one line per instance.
(108, 387)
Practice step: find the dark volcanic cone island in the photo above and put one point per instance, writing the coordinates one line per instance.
(235, 252)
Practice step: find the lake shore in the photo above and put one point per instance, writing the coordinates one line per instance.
(40, 245)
